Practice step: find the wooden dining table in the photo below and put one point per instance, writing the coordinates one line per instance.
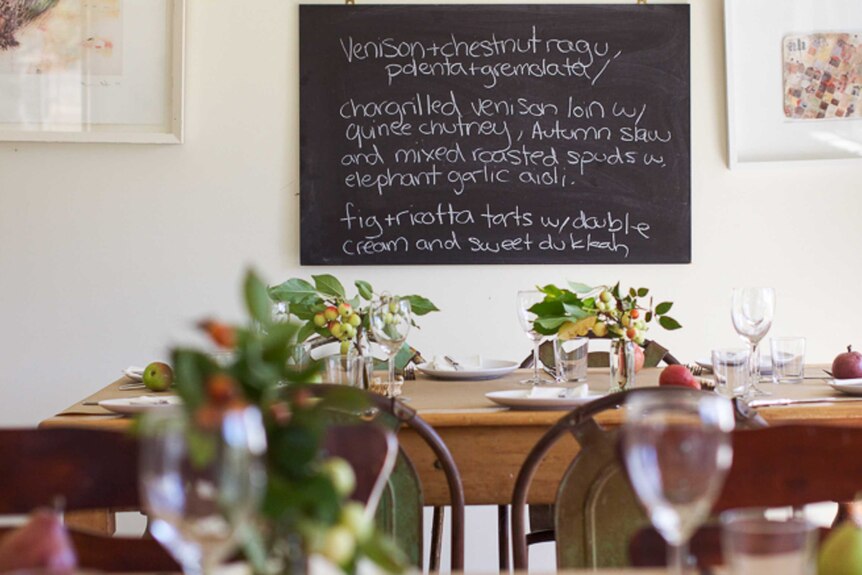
(488, 442)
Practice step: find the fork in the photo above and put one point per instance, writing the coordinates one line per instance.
(453, 363)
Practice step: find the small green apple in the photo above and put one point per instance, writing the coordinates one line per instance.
(158, 376)
(330, 313)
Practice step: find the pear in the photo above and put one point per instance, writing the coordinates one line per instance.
(841, 553)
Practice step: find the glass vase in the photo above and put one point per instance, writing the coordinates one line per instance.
(622, 365)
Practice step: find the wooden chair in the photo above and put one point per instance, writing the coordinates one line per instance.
(79, 470)
(779, 466)
(400, 509)
(371, 451)
(596, 511)
(654, 354)
(542, 516)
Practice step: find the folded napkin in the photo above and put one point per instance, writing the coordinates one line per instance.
(439, 363)
(542, 392)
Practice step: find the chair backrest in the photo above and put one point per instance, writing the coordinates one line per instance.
(654, 354)
(778, 466)
(400, 509)
(596, 511)
(79, 469)
(371, 451)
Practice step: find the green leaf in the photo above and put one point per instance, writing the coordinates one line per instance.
(191, 368)
(575, 311)
(550, 323)
(294, 290)
(633, 292)
(663, 308)
(257, 299)
(580, 288)
(302, 311)
(307, 330)
(551, 290)
(382, 551)
(548, 308)
(648, 317)
(202, 447)
(642, 292)
(669, 323)
(365, 290)
(329, 285)
(420, 305)
(615, 291)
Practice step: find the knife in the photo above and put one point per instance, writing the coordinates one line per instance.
(778, 402)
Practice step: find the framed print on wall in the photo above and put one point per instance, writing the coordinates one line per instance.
(794, 80)
(92, 70)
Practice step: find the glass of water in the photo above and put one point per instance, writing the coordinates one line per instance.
(730, 369)
(570, 360)
(677, 451)
(753, 544)
(788, 359)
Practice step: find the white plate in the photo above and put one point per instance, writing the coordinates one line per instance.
(135, 373)
(849, 386)
(520, 399)
(139, 404)
(491, 369)
(765, 365)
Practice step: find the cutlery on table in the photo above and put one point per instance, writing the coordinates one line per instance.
(779, 402)
(453, 363)
(130, 386)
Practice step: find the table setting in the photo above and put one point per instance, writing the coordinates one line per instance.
(463, 394)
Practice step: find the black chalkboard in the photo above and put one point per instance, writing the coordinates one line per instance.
(467, 134)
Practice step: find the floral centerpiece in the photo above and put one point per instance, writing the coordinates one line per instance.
(328, 314)
(306, 498)
(604, 312)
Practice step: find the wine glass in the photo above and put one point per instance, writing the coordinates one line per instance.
(390, 323)
(200, 486)
(752, 309)
(526, 300)
(677, 451)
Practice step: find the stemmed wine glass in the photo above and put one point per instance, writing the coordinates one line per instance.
(200, 486)
(390, 323)
(677, 451)
(526, 300)
(752, 309)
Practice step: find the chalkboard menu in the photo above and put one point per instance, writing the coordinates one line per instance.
(493, 134)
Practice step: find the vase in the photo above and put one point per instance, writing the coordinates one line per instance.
(622, 364)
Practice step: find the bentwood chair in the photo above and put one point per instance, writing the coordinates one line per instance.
(542, 516)
(79, 469)
(83, 469)
(778, 466)
(371, 451)
(400, 509)
(595, 512)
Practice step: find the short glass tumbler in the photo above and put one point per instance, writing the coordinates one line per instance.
(730, 371)
(788, 359)
(570, 360)
(752, 544)
(347, 370)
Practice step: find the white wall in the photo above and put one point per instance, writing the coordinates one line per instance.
(109, 253)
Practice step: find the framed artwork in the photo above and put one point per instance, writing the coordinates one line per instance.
(92, 70)
(794, 80)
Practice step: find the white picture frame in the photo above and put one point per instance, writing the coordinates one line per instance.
(116, 75)
(759, 133)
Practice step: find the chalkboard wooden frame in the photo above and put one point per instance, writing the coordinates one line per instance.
(570, 134)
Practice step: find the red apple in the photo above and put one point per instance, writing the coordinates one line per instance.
(847, 365)
(678, 375)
